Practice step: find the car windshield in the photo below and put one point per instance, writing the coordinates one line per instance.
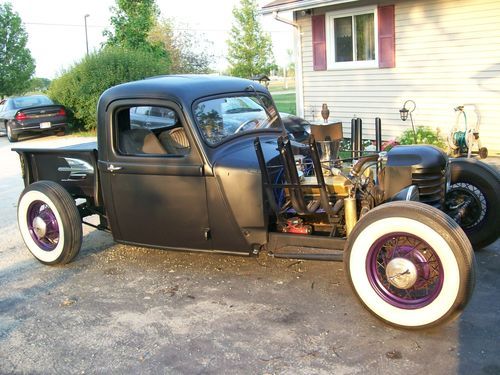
(221, 118)
(30, 101)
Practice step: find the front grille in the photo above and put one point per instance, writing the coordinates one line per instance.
(431, 185)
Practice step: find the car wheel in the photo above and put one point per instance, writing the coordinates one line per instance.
(473, 202)
(10, 135)
(49, 222)
(410, 265)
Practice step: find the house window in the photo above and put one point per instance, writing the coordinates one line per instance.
(352, 38)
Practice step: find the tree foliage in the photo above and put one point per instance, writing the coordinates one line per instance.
(250, 48)
(132, 20)
(79, 88)
(16, 63)
(186, 52)
(38, 84)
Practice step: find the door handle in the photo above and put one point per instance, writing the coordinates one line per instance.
(112, 168)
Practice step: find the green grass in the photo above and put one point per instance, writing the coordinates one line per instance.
(285, 102)
(280, 86)
(81, 132)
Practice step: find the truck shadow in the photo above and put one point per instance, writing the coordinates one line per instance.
(29, 282)
(478, 329)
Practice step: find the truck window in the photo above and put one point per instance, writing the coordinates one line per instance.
(221, 118)
(150, 130)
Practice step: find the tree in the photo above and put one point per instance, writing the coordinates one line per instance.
(250, 48)
(79, 88)
(16, 63)
(132, 21)
(39, 84)
(186, 52)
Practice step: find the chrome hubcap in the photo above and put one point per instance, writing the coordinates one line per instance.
(401, 273)
(39, 227)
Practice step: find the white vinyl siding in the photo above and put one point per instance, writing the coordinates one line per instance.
(447, 54)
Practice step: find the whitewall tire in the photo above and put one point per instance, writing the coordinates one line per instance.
(49, 222)
(410, 264)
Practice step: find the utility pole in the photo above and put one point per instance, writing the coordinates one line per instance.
(86, 35)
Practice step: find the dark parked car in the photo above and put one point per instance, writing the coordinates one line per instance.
(35, 113)
(152, 117)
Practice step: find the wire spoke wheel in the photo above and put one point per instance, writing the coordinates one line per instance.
(473, 200)
(468, 202)
(410, 264)
(404, 270)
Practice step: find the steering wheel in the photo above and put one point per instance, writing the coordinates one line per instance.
(242, 126)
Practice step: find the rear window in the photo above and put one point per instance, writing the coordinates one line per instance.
(30, 101)
(224, 117)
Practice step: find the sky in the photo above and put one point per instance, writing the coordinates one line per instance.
(57, 33)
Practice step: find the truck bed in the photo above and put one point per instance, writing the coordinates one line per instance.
(74, 167)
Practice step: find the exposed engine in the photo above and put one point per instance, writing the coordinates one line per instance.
(316, 192)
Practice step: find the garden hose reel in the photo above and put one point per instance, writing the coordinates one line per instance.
(463, 141)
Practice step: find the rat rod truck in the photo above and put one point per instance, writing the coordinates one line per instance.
(203, 163)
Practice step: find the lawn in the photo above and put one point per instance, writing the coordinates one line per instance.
(285, 102)
(279, 85)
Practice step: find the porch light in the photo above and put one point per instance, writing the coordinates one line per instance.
(407, 111)
(404, 112)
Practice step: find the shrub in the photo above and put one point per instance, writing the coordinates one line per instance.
(425, 135)
(79, 87)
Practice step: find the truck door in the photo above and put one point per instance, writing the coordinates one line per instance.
(153, 183)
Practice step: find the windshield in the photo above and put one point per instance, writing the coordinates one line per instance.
(220, 118)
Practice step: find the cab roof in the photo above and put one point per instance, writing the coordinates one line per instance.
(183, 89)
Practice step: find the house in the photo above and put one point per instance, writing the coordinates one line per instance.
(366, 58)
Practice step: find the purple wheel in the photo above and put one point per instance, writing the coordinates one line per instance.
(410, 264)
(42, 225)
(404, 270)
(49, 222)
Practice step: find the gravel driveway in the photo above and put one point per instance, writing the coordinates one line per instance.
(123, 309)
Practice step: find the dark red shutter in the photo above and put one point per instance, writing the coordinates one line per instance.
(386, 37)
(319, 42)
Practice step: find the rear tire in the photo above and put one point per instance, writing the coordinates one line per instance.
(478, 184)
(10, 135)
(49, 222)
(410, 265)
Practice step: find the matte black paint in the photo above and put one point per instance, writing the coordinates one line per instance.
(209, 200)
(200, 201)
(421, 165)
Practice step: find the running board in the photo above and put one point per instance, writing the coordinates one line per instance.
(297, 246)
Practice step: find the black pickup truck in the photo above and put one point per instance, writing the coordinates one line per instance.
(203, 163)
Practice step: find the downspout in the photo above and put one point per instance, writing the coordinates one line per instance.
(299, 89)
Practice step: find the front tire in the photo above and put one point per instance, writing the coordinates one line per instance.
(410, 265)
(49, 222)
(473, 200)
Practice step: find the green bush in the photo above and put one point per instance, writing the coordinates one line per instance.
(79, 87)
(425, 135)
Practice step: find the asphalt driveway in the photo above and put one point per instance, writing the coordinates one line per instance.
(123, 309)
